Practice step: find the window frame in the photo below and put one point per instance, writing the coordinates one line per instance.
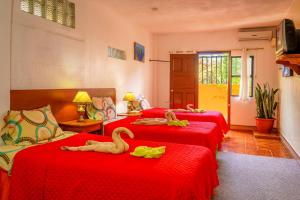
(251, 76)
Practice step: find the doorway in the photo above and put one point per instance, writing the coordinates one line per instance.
(183, 80)
(214, 82)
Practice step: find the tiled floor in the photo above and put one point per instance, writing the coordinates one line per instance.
(246, 143)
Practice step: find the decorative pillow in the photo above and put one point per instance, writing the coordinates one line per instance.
(1, 142)
(30, 126)
(101, 108)
(2, 124)
(145, 104)
(137, 105)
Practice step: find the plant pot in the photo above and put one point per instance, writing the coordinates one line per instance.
(264, 125)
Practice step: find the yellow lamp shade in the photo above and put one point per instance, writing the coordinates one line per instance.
(129, 96)
(82, 97)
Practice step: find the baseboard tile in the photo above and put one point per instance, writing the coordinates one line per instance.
(248, 128)
(273, 135)
(242, 128)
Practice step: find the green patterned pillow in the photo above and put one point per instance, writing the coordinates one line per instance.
(30, 126)
(101, 108)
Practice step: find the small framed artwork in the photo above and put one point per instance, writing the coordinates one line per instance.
(139, 52)
(287, 72)
(116, 53)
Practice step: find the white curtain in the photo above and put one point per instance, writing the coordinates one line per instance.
(244, 76)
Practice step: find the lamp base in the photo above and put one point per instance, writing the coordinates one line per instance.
(129, 106)
(81, 112)
(81, 119)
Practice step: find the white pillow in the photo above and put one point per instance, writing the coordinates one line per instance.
(145, 103)
(121, 107)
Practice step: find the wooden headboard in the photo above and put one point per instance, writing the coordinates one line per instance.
(60, 100)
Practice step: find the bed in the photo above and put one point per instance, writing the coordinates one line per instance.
(4, 184)
(44, 171)
(47, 172)
(205, 134)
(208, 116)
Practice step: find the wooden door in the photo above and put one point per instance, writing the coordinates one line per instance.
(184, 80)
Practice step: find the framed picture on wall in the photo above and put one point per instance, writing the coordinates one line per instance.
(287, 72)
(139, 52)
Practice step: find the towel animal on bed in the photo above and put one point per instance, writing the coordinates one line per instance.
(118, 145)
(170, 120)
(148, 152)
(189, 108)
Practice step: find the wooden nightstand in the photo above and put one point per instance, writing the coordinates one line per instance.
(88, 125)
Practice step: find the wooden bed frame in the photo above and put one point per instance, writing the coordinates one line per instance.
(60, 100)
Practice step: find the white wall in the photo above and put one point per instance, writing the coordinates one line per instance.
(242, 113)
(49, 55)
(5, 28)
(290, 96)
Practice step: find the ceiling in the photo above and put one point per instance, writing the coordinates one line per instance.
(200, 15)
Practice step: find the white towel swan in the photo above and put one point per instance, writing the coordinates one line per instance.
(116, 147)
(169, 116)
(189, 109)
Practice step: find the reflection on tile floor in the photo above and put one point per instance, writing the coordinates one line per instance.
(246, 143)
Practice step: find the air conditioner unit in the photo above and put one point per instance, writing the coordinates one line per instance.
(255, 34)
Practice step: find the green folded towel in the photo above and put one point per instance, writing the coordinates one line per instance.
(148, 152)
(199, 111)
(181, 123)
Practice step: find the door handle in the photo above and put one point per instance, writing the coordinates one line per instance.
(172, 90)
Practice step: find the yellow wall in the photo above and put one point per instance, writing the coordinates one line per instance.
(214, 96)
(235, 89)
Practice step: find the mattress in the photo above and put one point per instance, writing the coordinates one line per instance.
(46, 172)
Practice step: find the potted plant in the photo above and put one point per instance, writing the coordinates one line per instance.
(265, 107)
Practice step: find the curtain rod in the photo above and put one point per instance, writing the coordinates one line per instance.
(248, 49)
(150, 60)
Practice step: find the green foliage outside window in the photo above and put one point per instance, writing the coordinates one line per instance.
(213, 69)
(236, 64)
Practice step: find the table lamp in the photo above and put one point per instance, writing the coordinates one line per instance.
(81, 98)
(129, 97)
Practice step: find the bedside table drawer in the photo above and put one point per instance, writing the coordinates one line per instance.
(90, 126)
(81, 129)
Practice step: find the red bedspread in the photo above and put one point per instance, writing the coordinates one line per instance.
(197, 133)
(46, 172)
(208, 116)
(4, 185)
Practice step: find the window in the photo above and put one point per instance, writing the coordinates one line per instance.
(213, 68)
(236, 64)
(59, 11)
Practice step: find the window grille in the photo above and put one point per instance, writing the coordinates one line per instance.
(213, 69)
(50, 10)
(59, 11)
(70, 17)
(38, 8)
(25, 5)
